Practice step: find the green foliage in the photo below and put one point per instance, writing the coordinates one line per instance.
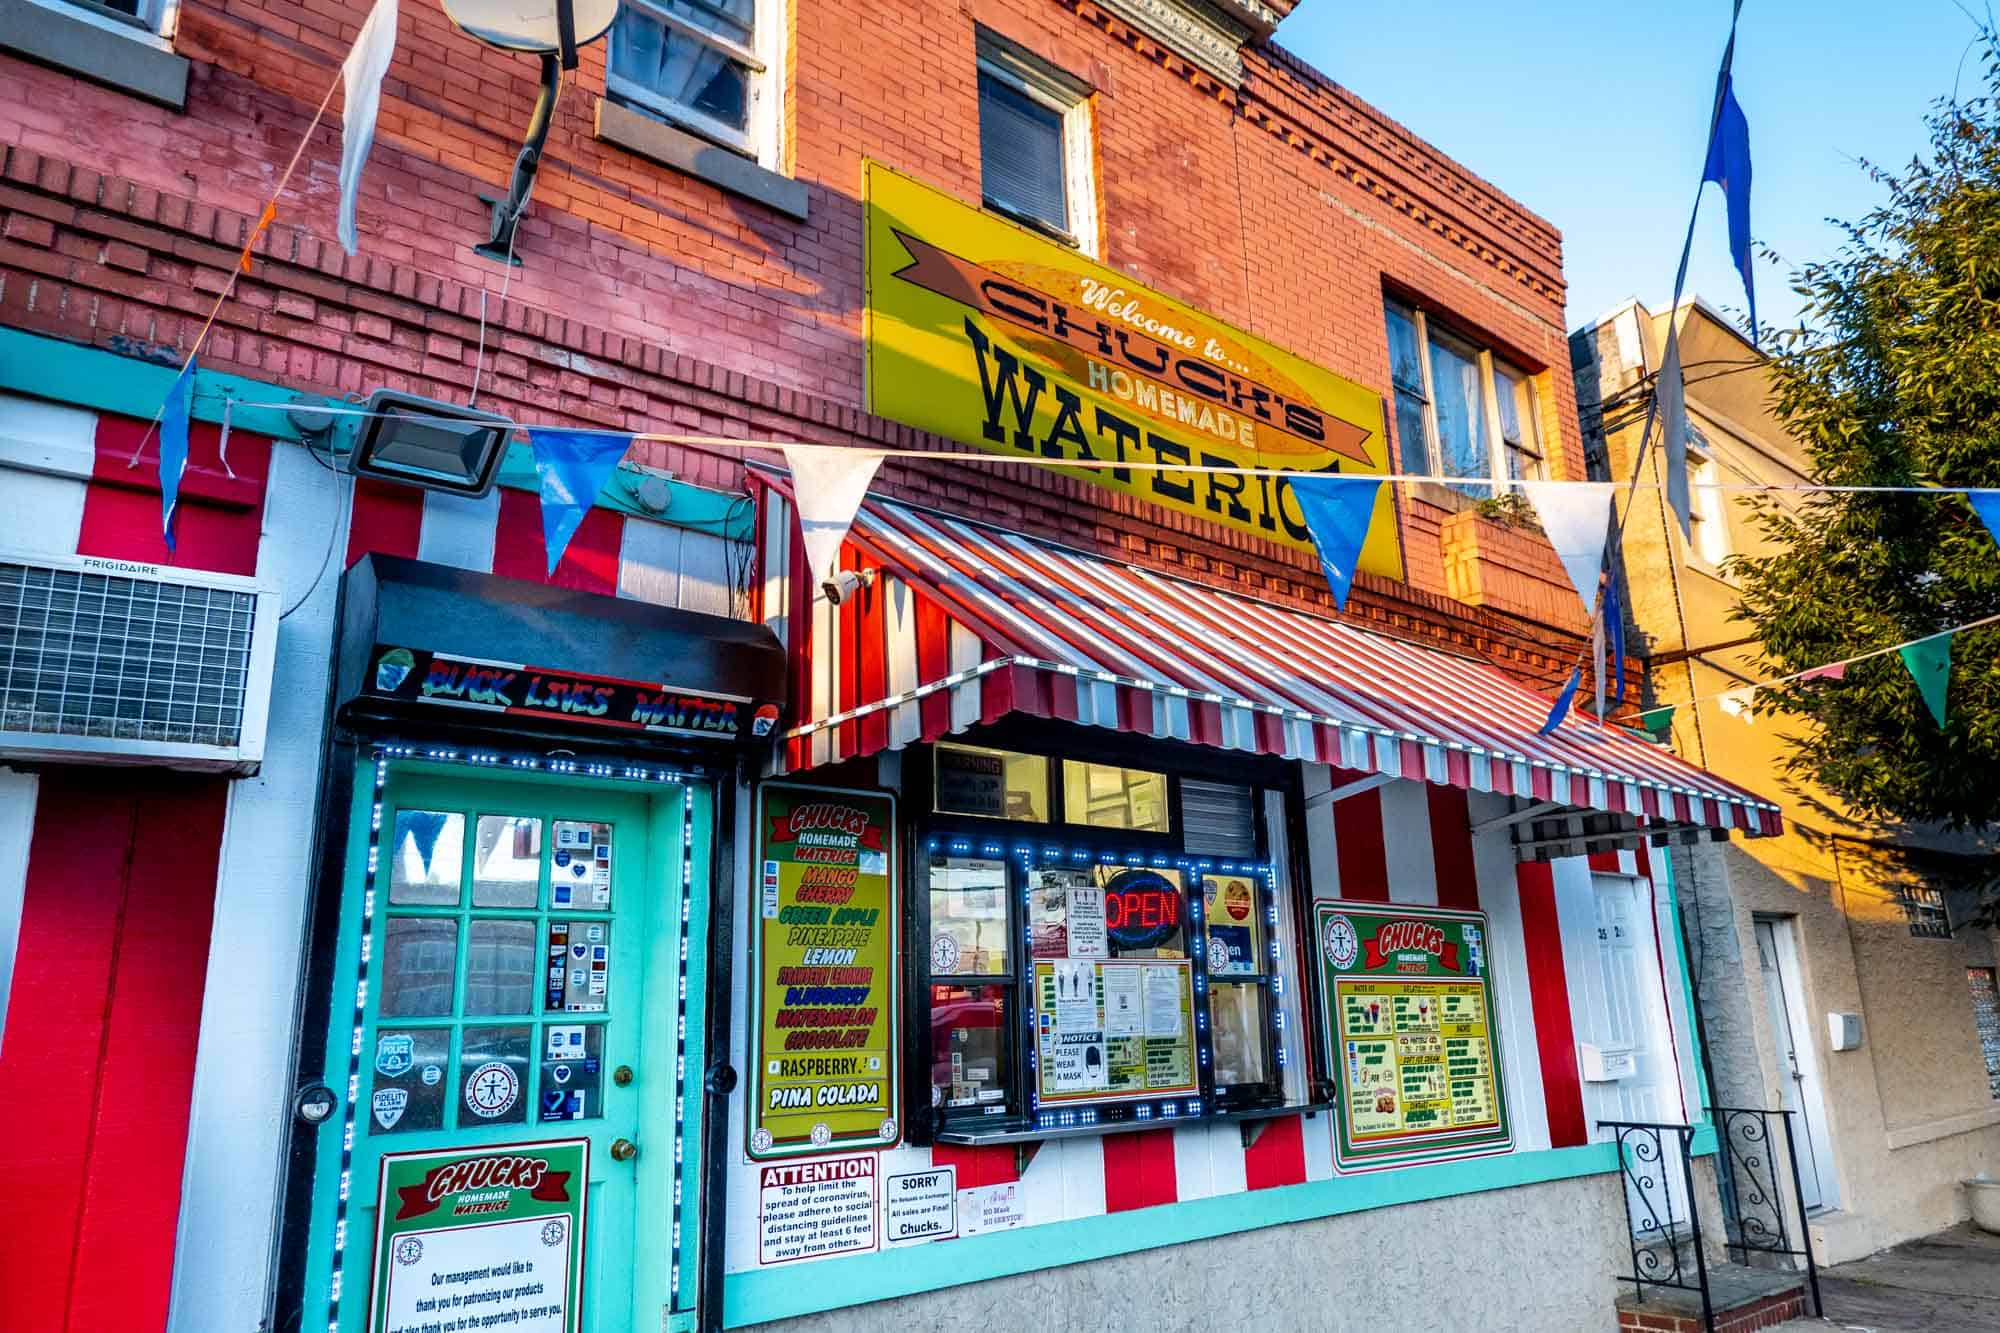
(1511, 508)
(1895, 381)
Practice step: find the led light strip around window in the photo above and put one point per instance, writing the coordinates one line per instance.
(566, 766)
(1031, 857)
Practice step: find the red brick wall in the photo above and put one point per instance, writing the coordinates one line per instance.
(651, 300)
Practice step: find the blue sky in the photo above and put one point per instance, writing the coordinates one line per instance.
(1595, 115)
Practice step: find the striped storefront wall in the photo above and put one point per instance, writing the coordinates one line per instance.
(157, 1164)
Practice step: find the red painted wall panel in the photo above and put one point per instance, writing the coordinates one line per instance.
(217, 517)
(1451, 847)
(1278, 1157)
(589, 563)
(1358, 844)
(99, 1059)
(1139, 1170)
(1548, 990)
(388, 518)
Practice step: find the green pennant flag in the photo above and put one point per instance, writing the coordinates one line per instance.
(1658, 721)
(1929, 664)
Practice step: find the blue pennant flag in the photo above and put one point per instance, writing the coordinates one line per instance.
(174, 446)
(573, 466)
(1337, 510)
(1729, 166)
(1986, 504)
(1614, 624)
(1563, 701)
(423, 827)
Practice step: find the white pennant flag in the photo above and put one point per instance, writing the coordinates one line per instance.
(1576, 516)
(1671, 396)
(1739, 702)
(827, 486)
(362, 73)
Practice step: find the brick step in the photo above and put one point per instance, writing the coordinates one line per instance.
(1743, 1299)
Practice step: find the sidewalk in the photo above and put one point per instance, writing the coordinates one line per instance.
(1946, 1283)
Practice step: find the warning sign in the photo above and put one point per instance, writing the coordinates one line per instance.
(809, 1210)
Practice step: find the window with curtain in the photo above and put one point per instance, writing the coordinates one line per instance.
(698, 63)
(1034, 143)
(1461, 411)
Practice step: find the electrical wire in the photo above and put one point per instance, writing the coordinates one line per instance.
(343, 491)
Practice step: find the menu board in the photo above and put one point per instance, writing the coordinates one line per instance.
(1111, 1031)
(1415, 1046)
(825, 1025)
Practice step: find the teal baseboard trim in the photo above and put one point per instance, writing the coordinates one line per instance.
(802, 1289)
(135, 385)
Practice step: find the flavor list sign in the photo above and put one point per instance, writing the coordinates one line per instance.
(478, 1239)
(825, 1022)
(1415, 1052)
(982, 331)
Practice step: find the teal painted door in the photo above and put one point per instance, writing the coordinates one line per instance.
(513, 956)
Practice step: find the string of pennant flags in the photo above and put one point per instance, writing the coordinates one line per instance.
(1580, 518)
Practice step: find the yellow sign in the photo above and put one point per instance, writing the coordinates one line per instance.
(982, 331)
(824, 985)
(1420, 1057)
(1109, 1030)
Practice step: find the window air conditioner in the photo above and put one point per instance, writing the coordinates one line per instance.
(114, 662)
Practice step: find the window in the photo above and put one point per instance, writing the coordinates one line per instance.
(706, 65)
(1986, 1017)
(1088, 965)
(1926, 912)
(1708, 514)
(144, 14)
(1106, 796)
(1034, 144)
(1461, 411)
(993, 784)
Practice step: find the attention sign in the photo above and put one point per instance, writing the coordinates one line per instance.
(1415, 1049)
(824, 1025)
(982, 331)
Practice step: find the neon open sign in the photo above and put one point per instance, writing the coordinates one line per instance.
(1141, 909)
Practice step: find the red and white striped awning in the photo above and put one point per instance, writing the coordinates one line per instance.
(966, 623)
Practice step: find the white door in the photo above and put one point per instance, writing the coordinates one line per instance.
(1629, 1026)
(1798, 1069)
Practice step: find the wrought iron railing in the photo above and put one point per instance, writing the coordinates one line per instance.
(1753, 1196)
(1657, 1162)
(1658, 1168)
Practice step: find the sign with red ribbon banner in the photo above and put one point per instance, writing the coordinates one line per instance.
(826, 1019)
(497, 1231)
(1415, 1045)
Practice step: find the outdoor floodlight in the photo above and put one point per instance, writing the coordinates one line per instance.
(423, 442)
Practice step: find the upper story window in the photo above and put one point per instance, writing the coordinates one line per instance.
(706, 65)
(143, 15)
(1708, 514)
(1034, 144)
(1461, 411)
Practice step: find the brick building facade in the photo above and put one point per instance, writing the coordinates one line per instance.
(721, 296)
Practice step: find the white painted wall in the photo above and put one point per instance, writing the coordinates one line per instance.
(242, 1077)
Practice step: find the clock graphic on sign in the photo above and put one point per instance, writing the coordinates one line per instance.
(944, 954)
(1341, 943)
(492, 1090)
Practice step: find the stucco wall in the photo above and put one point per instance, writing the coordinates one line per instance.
(1910, 1111)
(1553, 1250)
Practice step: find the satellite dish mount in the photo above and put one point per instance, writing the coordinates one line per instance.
(553, 30)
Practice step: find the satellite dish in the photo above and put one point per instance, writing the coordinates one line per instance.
(552, 29)
(531, 25)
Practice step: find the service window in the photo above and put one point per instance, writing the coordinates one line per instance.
(1105, 955)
